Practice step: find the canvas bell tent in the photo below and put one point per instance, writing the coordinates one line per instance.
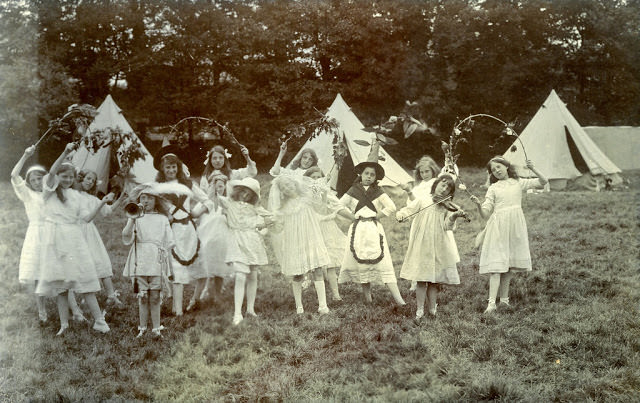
(110, 116)
(351, 130)
(561, 149)
(620, 143)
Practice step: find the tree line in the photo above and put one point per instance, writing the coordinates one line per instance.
(264, 65)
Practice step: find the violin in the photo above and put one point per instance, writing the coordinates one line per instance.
(451, 206)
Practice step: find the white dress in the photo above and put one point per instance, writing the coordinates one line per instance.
(506, 241)
(300, 243)
(245, 245)
(186, 266)
(366, 244)
(30, 255)
(214, 234)
(213, 230)
(98, 252)
(327, 203)
(65, 261)
(431, 254)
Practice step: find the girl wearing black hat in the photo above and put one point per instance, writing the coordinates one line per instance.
(367, 258)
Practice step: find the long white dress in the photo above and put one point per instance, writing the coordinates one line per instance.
(506, 241)
(65, 261)
(300, 243)
(98, 252)
(366, 244)
(327, 203)
(184, 256)
(29, 266)
(431, 254)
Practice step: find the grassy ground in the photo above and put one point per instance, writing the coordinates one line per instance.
(573, 333)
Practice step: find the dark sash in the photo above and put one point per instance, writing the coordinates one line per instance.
(365, 197)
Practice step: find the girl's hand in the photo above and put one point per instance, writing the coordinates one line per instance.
(283, 147)
(475, 200)
(529, 165)
(245, 151)
(268, 221)
(109, 198)
(406, 187)
(399, 216)
(29, 151)
(70, 147)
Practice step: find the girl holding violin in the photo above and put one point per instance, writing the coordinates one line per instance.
(432, 254)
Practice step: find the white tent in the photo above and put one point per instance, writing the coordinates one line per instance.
(351, 129)
(110, 116)
(548, 140)
(620, 143)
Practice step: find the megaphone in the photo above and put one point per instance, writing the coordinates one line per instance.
(134, 210)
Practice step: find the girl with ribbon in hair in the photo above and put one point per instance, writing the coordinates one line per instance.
(149, 261)
(217, 172)
(432, 255)
(87, 185)
(29, 191)
(65, 261)
(173, 172)
(367, 258)
(297, 238)
(505, 246)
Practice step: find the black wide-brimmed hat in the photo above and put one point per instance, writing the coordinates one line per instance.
(171, 149)
(379, 169)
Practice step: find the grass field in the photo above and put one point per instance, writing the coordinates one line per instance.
(573, 333)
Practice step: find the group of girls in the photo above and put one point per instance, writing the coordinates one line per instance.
(63, 254)
(205, 233)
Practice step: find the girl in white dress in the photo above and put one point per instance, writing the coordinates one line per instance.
(431, 255)
(297, 237)
(87, 183)
(367, 258)
(505, 248)
(245, 250)
(29, 191)
(184, 255)
(65, 260)
(212, 226)
(334, 239)
(149, 262)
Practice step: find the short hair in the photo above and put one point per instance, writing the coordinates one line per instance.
(428, 162)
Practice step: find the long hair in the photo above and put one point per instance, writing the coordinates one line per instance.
(80, 178)
(65, 167)
(428, 162)
(296, 163)
(182, 178)
(226, 167)
(511, 171)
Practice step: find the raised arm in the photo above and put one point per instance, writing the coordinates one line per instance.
(541, 178)
(252, 170)
(275, 170)
(54, 168)
(93, 213)
(28, 152)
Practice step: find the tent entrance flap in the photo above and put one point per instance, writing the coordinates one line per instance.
(578, 161)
